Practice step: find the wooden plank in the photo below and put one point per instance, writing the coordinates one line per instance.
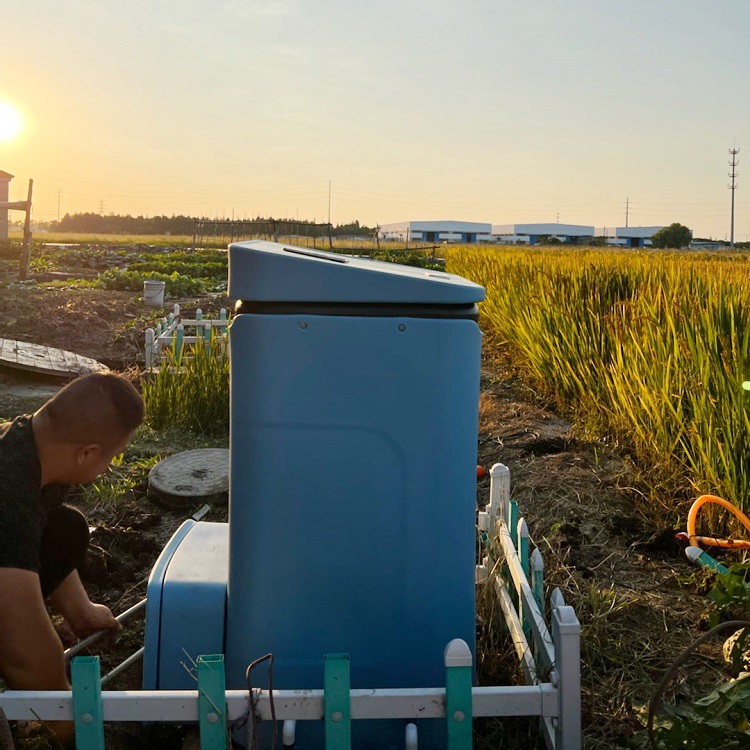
(39, 355)
(8, 350)
(57, 360)
(24, 355)
(71, 361)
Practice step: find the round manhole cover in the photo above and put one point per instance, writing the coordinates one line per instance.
(190, 477)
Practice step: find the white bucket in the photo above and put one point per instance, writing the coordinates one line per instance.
(153, 293)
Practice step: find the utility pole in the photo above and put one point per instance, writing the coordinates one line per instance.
(329, 201)
(627, 210)
(733, 186)
(101, 207)
(58, 206)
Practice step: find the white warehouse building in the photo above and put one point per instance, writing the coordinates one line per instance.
(467, 232)
(530, 234)
(635, 236)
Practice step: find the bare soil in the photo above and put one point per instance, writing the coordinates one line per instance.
(639, 601)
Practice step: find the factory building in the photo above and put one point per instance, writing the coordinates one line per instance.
(534, 234)
(635, 236)
(467, 232)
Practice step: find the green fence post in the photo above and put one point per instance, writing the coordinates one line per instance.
(88, 717)
(212, 703)
(179, 335)
(513, 531)
(198, 326)
(458, 705)
(513, 522)
(537, 578)
(336, 702)
(523, 555)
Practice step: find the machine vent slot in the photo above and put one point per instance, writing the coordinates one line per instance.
(314, 254)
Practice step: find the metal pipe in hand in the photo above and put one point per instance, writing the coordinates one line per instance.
(88, 640)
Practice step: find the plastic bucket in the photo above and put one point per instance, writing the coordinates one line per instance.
(153, 293)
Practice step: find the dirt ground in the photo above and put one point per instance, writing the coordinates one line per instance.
(638, 599)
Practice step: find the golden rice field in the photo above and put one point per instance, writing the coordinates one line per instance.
(646, 349)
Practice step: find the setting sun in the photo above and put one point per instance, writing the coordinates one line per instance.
(10, 122)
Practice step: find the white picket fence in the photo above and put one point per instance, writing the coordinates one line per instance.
(169, 335)
(549, 657)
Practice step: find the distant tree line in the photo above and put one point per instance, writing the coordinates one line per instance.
(114, 224)
(91, 223)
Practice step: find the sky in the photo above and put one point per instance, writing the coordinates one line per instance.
(479, 110)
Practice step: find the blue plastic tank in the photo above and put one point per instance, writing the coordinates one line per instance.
(354, 400)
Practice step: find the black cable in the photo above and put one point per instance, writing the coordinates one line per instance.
(254, 719)
(656, 699)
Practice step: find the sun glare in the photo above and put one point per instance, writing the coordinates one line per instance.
(10, 122)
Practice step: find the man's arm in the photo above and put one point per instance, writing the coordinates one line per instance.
(31, 654)
(84, 617)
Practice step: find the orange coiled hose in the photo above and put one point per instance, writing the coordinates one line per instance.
(711, 541)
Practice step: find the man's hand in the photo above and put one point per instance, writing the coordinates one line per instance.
(92, 618)
(72, 602)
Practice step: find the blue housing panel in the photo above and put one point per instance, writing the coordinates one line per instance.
(185, 614)
(269, 271)
(352, 496)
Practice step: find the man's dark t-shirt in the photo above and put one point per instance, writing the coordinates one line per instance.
(24, 505)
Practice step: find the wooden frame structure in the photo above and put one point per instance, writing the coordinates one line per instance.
(23, 265)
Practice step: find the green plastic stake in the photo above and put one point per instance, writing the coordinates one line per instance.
(212, 703)
(336, 702)
(458, 706)
(88, 717)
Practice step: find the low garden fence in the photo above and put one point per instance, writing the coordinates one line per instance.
(169, 337)
(549, 658)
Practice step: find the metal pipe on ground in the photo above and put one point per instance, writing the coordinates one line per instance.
(132, 659)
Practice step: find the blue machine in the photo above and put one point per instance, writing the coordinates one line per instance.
(354, 392)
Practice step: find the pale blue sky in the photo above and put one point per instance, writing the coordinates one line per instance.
(486, 111)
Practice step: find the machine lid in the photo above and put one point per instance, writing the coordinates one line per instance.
(261, 271)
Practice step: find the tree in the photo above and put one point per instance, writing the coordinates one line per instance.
(675, 235)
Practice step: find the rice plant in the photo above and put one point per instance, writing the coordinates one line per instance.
(649, 349)
(191, 389)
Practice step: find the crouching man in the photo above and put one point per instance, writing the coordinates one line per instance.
(71, 440)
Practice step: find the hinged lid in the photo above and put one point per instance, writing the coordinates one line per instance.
(274, 272)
